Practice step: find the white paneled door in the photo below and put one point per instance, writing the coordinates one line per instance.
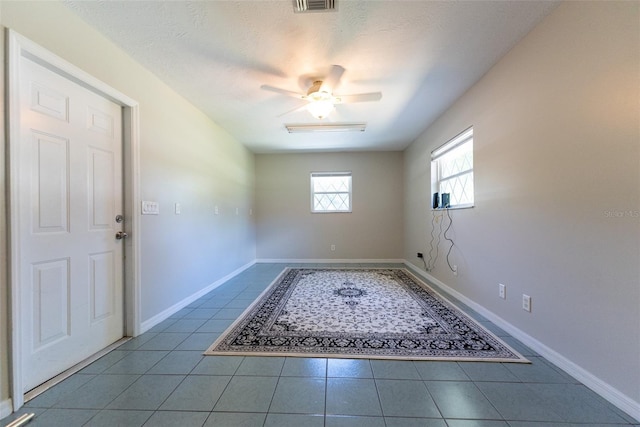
(70, 192)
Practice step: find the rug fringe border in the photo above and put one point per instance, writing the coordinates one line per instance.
(367, 357)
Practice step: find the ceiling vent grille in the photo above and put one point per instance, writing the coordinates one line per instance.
(300, 6)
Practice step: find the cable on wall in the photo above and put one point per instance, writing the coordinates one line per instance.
(425, 264)
(435, 238)
(449, 239)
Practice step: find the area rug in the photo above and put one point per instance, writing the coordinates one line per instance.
(358, 313)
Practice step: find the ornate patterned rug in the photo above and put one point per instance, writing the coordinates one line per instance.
(358, 313)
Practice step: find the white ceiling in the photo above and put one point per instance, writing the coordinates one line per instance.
(422, 55)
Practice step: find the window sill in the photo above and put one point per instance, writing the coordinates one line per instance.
(454, 208)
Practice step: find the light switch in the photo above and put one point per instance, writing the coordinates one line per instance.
(150, 208)
(178, 208)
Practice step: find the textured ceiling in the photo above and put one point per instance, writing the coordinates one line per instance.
(422, 55)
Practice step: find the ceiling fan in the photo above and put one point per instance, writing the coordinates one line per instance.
(320, 98)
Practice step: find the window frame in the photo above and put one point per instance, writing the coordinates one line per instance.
(460, 140)
(313, 175)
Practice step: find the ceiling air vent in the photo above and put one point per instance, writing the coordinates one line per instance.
(313, 5)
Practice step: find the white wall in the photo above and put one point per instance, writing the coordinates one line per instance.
(286, 228)
(557, 178)
(185, 158)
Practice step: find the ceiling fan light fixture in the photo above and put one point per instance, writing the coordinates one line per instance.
(321, 108)
(321, 102)
(320, 98)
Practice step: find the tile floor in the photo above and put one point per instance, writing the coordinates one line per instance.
(161, 379)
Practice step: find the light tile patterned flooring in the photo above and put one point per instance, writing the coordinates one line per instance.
(161, 379)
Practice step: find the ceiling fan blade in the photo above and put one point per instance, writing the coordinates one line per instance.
(302, 107)
(283, 91)
(331, 81)
(359, 97)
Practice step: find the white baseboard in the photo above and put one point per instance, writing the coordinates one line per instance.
(605, 390)
(329, 261)
(150, 323)
(6, 408)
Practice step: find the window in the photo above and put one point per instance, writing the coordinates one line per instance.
(330, 192)
(452, 171)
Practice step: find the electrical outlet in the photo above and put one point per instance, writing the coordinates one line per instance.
(526, 303)
(333, 247)
(237, 211)
(420, 255)
(502, 291)
(455, 270)
(216, 211)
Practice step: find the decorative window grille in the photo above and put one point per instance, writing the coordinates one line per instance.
(330, 192)
(452, 170)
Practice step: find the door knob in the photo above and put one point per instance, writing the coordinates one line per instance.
(121, 235)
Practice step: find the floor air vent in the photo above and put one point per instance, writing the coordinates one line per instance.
(313, 5)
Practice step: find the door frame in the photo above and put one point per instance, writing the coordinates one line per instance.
(19, 46)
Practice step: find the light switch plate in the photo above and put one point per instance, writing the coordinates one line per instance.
(150, 208)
